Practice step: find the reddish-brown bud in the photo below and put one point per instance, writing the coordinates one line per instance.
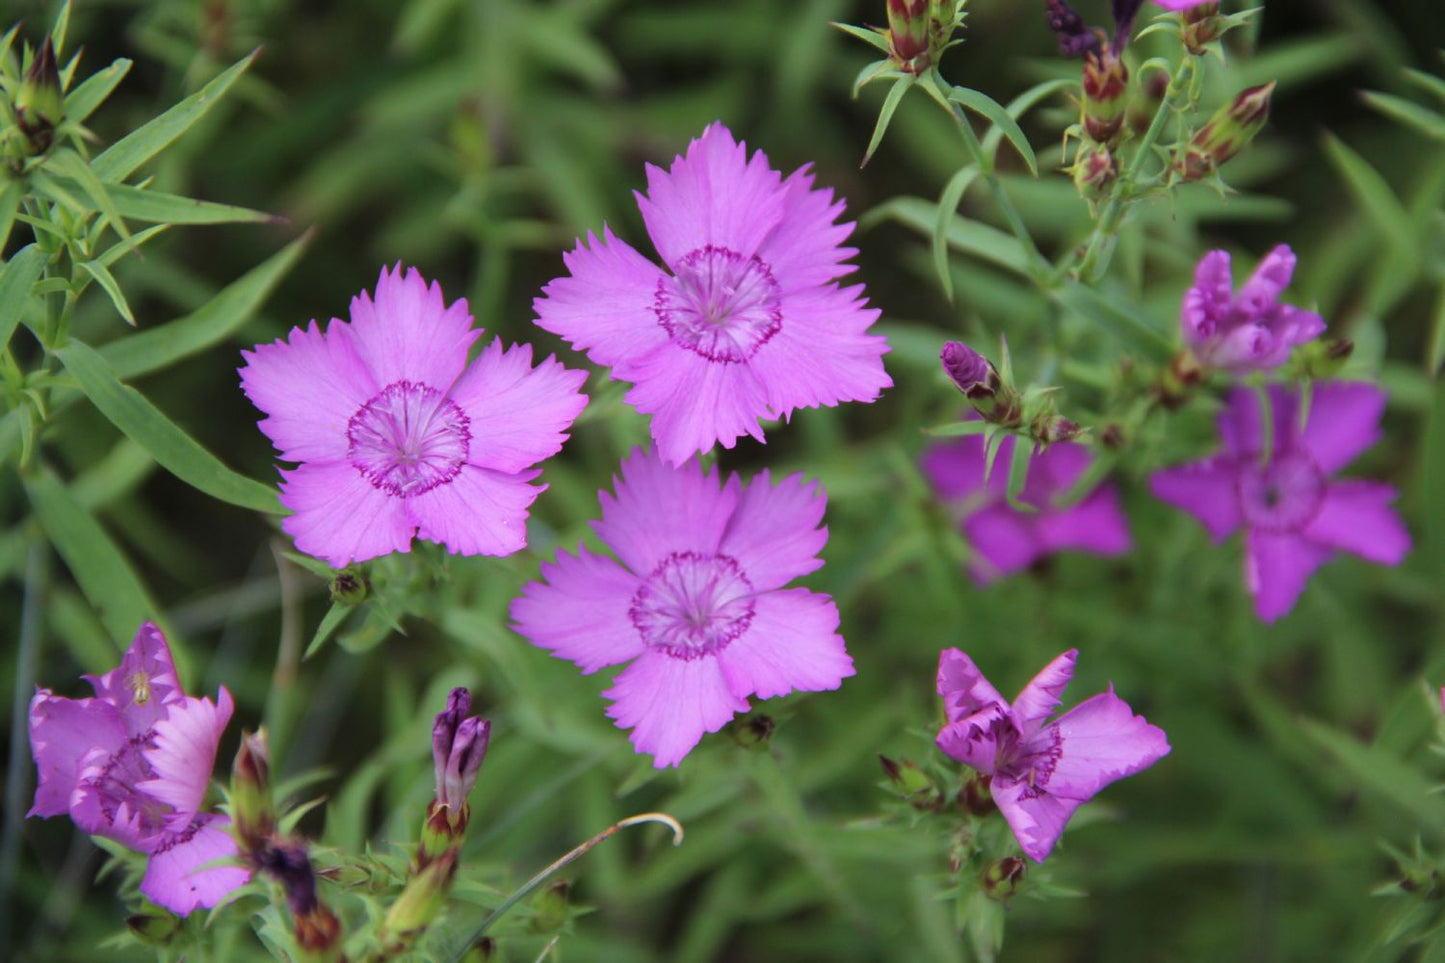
(1226, 133)
(1106, 96)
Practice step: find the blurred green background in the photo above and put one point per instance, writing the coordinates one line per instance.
(475, 139)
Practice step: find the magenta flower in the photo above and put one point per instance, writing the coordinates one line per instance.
(746, 322)
(696, 601)
(1251, 331)
(1295, 517)
(132, 764)
(1040, 773)
(1006, 539)
(396, 435)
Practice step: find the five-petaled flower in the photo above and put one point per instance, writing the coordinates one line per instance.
(1295, 517)
(396, 435)
(1250, 331)
(1041, 771)
(696, 601)
(747, 320)
(1007, 539)
(132, 764)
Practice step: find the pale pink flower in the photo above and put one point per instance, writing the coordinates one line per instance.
(397, 436)
(745, 322)
(132, 764)
(696, 601)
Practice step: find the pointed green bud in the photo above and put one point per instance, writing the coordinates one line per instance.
(40, 103)
(1094, 169)
(1202, 26)
(253, 814)
(1226, 133)
(350, 587)
(912, 784)
(1003, 878)
(154, 927)
(551, 907)
(424, 897)
(754, 731)
(443, 831)
(1106, 96)
(1047, 429)
(918, 30)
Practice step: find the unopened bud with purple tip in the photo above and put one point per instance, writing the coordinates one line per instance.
(1003, 878)
(253, 815)
(979, 380)
(1202, 25)
(1226, 133)
(459, 744)
(40, 103)
(1106, 95)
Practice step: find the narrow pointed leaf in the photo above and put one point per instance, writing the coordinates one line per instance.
(871, 37)
(1376, 201)
(17, 278)
(1021, 105)
(155, 207)
(100, 568)
(171, 447)
(108, 283)
(121, 159)
(210, 324)
(1018, 473)
(1119, 318)
(985, 106)
(890, 104)
(1407, 112)
(981, 240)
(953, 192)
(329, 623)
(69, 164)
(10, 197)
(81, 102)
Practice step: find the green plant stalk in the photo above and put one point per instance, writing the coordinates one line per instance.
(26, 660)
(1093, 263)
(1039, 265)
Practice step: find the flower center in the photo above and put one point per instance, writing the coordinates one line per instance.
(1283, 495)
(1035, 766)
(408, 439)
(116, 783)
(720, 304)
(693, 605)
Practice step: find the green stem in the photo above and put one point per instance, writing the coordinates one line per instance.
(1039, 267)
(1094, 261)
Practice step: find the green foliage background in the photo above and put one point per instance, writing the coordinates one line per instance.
(475, 139)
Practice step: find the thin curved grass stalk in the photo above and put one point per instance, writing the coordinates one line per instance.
(526, 888)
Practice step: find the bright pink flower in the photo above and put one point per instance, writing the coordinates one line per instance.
(132, 764)
(696, 601)
(396, 435)
(1008, 540)
(746, 322)
(1041, 772)
(1250, 331)
(1295, 517)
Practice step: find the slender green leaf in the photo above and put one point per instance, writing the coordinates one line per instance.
(81, 102)
(213, 322)
(871, 37)
(1381, 775)
(1018, 473)
(1427, 82)
(1021, 105)
(1375, 199)
(982, 241)
(71, 165)
(10, 197)
(121, 159)
(890, 104)
(108, 283)
(156, 207)
(953, 192)
(329, 623)
(1407, 112)
(1434, 353)
(958, 429)
(61, 28)
(17, 278)
(148, 427)
(985, 106)
(1119, 317)
(100, 568)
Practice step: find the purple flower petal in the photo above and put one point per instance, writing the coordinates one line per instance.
(1356, 517)
(1269, 280)
(1276, 568)
(810, 252)
(670, 703)
(696, 403)
(1036, 818)
(791, 645)
(580, 612)
(955, 469)
(408, 333)
(480, 512)
(659, 510)
(340, 516)
(974, 739)
(964, 689)
(1102, 741)
(183, 752)
(775, 532)
(1344, 420)
(144, 685)
(1206, 303)
(605, 306)
(1004, 539)
(1041, 696)
(62, 731)
(716, 195)
(309, 386)
(187, 871)
(1205, 490)
(517, 414)
(822, 356)
(1096, 524)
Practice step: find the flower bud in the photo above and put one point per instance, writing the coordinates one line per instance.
(979, 380)
(908, 33)
(755, 730)
(1047, 429)
(1147, 98)
(481, 951)
(154, 927)
(424, 897)
(39, 103)
(1201, 26)
(253, 815)
(317, 930)
(551, 907)
(458, 747)
(1003, 878)
(912, 784)
(976, 796)
(1094, 169)
(318, 936)
(444, 829)
(350, 587)
(1226, 133)
(1074, 35)
(1106, 96)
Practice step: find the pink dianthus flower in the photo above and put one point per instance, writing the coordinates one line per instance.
(132, 764)
(396, 435)
(1295, 517)
(1252, 330)
(746, 321)
(1041, 771)
(696, 601)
